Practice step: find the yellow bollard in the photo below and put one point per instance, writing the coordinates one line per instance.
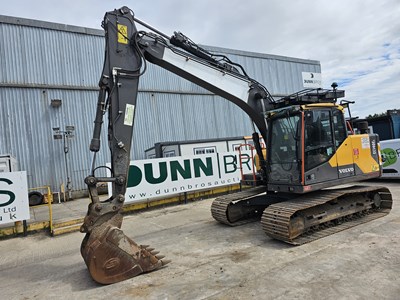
(18, 227)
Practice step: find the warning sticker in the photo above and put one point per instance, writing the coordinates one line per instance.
(129, 113)
(122, 34)
(365, 142)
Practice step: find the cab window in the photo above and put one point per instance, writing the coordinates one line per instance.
(339, 127)
(318, 146)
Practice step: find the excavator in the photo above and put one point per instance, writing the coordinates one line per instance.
(298, 193)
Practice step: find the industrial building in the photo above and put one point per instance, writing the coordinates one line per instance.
(48, 97)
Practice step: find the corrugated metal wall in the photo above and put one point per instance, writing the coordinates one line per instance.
(43, 61)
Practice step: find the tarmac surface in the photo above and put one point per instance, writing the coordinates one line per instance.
(212, 261)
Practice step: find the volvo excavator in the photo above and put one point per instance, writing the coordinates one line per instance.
(310, 151)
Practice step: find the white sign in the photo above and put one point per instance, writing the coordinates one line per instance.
(160, 177)
(14, 203)
(312, 80)
(390, 151)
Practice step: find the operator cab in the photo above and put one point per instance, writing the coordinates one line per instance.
(303, 140)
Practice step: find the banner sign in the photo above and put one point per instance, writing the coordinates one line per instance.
(390, 150)
(312, 80)
(174, 175)
(14, 203)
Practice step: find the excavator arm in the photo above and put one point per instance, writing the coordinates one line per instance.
(108, 253)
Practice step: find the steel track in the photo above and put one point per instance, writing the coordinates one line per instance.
(221, 206)
(277, 219)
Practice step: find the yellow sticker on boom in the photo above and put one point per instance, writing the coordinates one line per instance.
(122, 34)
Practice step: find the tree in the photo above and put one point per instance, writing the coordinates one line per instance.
(386, 113)
(376, 115)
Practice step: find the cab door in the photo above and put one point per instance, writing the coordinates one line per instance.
(344, 157)
(319, 146)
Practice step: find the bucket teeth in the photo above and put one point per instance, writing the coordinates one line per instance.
(165, 261)
(160, 257)
(154, 252)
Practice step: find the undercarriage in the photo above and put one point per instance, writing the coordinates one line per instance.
(301, 219)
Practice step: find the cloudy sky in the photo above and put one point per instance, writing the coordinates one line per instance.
(356, 41)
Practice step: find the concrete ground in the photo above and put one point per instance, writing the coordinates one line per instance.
(212, 261)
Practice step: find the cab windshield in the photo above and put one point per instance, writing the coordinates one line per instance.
(283, 156)
(284, 139)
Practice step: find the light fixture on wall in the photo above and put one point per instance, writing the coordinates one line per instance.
(57, 134)
(55, 102)
(65, 135)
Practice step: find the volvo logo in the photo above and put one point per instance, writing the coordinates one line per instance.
(373, 147)
(346, 170)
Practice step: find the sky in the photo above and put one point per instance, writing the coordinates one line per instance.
(356, 41)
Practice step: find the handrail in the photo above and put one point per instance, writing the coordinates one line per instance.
(49, 198)
(252, 160)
